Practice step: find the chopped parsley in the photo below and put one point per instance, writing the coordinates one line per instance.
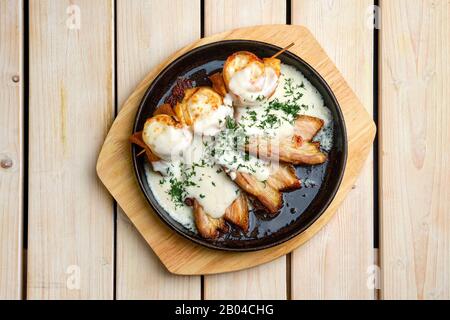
(230, 123)
(289, 108)
(291, 89)
(269, 121)
(177, 191)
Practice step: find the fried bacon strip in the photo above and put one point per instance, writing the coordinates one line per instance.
(284, 178)
(208, 227)
(298, 149)
(291, 150)
(136, 138)
(307, 126)
(218, 84)
(266, 194)
(237, 213)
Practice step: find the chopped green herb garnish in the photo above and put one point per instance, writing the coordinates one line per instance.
(177, 191)
(230, 123)
(291, 109)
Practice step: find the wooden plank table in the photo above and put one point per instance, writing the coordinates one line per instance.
(66, 67)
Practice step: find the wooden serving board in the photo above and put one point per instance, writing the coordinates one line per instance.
(181, 256)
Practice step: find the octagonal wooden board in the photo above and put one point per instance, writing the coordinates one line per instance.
(181, 256)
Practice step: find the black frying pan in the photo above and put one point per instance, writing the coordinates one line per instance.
(301, 207)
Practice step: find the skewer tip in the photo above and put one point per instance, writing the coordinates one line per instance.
(283, 50)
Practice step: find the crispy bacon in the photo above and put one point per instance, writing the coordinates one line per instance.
(297, 149)
(218, 84)
(237, 213)
(307, 127)
(290, 150)
(284, 178)
(266, 194)
(208, 227)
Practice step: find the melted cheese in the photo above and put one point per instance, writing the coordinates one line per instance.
(181, 214)
(280, 129)
(253, 84)
(229, 147)
(213, 189)
(212, 122)
(204, 179)
(204, 110)
(165, 138)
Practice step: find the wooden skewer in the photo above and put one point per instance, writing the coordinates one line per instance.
(140, 153)
(282, 50)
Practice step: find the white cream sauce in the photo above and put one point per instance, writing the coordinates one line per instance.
(166, 141)
(252, 84)
(229, 152)
(196, 175)
(181, 214)
(212, 123)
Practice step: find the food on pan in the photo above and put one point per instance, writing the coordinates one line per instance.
(237, 213)
(217, 153)
(250, 79)
(295, 149)
(284, 178)
(203, 109)
(268, 192)
(207, 226)
(165, 137)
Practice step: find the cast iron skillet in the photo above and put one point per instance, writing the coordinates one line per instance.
(301, 207)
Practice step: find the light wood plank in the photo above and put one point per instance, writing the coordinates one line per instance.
(144, 28)
(415, 152)
(334, 264)
(222, 15)
(11, 142)
(70, 253)
(267, 281)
